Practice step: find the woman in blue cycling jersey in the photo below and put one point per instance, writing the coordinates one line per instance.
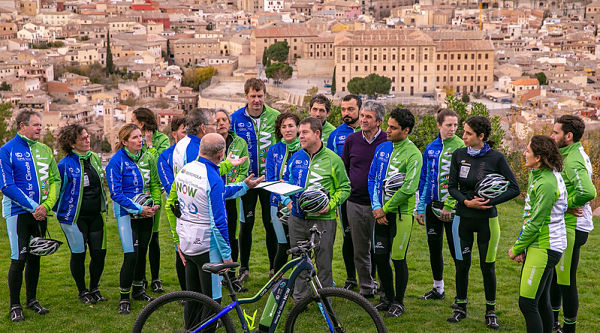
(81, 207)
(131, 172)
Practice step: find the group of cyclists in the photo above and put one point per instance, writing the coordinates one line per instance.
(378, 178)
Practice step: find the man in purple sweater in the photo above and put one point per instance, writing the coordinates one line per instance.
(357, 155)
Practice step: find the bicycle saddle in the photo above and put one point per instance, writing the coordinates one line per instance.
(217, 267)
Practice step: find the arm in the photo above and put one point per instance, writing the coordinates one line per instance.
(410, 186)
(233, 191)
(243, 169)
(541, 207)
(331, 142)
(54, 184)
(219, 228)
(374, 190)
(165, 172)
(270, 173)
(159, 144)
(513, 188)
(114, 179)
(155, 188)
(8, 186)
(346, 154)
(171, 199)
(453, 180)
(584, 188)
(424, 185)
(225, 167)
(341, 183)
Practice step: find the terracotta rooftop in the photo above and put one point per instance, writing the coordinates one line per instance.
(287, 31)
(525, 82)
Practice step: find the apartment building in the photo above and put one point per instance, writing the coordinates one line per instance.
(194, 51)
(261, 39)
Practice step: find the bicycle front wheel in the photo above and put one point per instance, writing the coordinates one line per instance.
(346, 312)
(182, 311)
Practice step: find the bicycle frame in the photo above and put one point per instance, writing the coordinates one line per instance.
(298, 265)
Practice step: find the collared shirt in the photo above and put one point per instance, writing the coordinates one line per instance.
(373, 138)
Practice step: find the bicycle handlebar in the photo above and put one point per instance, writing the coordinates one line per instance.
(306, 245)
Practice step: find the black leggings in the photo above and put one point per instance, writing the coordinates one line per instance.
(92, 230)
(249, 205)
(538, 312)
(347, 247)
(27, 226)
(568, 294)
(435, 239)
(134, 263)
(382, 249)
(154, 255)
(467, 229)
(180, 269)
(282, 257)
(199, 281)
(232, 218)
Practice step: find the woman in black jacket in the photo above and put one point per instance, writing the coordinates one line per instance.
(480, 179)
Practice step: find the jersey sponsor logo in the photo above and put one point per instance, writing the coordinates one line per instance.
(186, 189)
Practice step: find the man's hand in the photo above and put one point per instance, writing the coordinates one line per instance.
(379, 216)
(40, 213)
(236, 161)
(478, 203)
(289, 206)
(324, 210)
(446, 215)
(577, 211)
(148, 137)
(228, 261)
(253, 182)
(421, 219)
(181, 256)
(518, 258)
(148, 211)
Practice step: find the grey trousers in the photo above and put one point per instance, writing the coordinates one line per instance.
(362, 222)
(299, 230)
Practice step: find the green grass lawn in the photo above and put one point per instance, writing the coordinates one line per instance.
(57, 289)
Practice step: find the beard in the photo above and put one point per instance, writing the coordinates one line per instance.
(349, 120)
(562, 143)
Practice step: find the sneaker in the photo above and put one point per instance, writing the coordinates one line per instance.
(124, 306)
(16, 313)
(556, 327)
(396, 310)
(156, 286)
(37, 307)
(86, 297)
(458, 315)
(383, 306)
(433, 294)
(97, 296)
(350, 285)
(244, 275)
(238, 287)
(491, 320)
(142, 296)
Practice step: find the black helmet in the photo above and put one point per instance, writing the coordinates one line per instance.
(40, 246)
(142, 199)
(313, 200)
(491, 186)
(392, 184)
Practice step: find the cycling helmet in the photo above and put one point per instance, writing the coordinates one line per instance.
(313, 200)
(143, 199)
(491, 186)
(392, 184)
(283, 214)
(40, 246)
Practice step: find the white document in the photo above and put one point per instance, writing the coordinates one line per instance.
(280, 187)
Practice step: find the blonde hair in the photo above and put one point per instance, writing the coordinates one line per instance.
(124, 134)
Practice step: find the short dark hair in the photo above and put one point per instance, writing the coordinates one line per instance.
(196, 118)
(546, 148)
(315, 124)
(321, 99)
(255, 84)
(67, 137)
(479, 125)
(176, 123)
(569, 123)
(147, 118)
(24, 116)
(443, 113)
(353, 97)
(404, 118)
(280, 119)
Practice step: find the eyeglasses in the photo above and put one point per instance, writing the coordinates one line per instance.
(213, 124)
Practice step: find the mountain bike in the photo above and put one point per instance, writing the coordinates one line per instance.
(327, 310)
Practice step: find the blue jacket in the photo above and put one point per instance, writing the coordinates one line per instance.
(337, 138)
(29, 176)
(71, 172)
(258, 140)
(165, 168)
(275, 168)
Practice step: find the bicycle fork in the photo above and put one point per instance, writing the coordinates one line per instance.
(324, 306)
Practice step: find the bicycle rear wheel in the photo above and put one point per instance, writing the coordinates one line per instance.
(182, 311)
(351, 312)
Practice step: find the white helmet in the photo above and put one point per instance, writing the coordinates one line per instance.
(392, 184)
(491, 186)
(143, 199)
(40, 246)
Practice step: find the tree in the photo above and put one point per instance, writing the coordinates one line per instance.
(209, 26)
(333, 88)
(48, 138)
(477, 109)
(5, 86)
(541, 77)
(355, 85)
(193, 77)
(110, 67)
(105, 146)
(6, 131)
(167, 52)
(279, 72)
(265, 59)
(370, 85)
(424, 131)
(465, 98)
(278, 51)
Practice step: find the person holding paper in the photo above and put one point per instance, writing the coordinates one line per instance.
(286, 131)
(316, 168)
